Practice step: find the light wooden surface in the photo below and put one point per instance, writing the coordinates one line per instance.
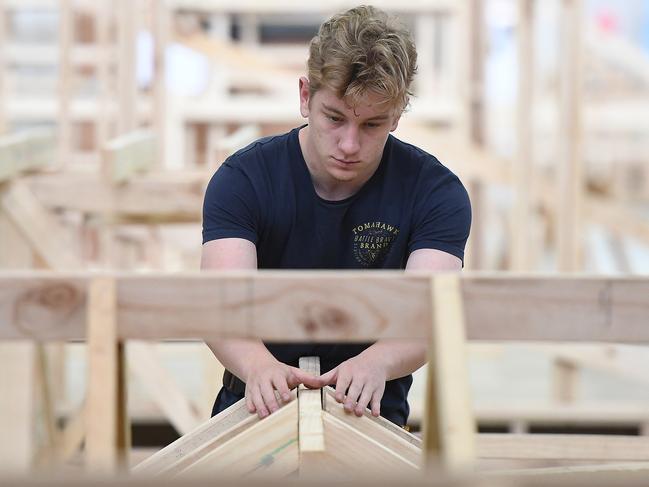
(105, 442)
(39, 227)
(311, 429)
(128, 155)
(183, 451)
(268, 448)
(327, 306)
(449, 426)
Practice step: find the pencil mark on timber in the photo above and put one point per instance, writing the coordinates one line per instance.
(268, 459)
(47, 307)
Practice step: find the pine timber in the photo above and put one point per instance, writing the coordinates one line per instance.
(326, 306)
(311, 443)
(268, 448)
(449, 428)
(39, 227)
(181, 452)
(106, 437)
(25, 151)
(349, 452)
(380, 429)
(311, 429)
(128, 155)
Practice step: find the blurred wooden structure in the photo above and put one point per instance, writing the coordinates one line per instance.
(109, 310)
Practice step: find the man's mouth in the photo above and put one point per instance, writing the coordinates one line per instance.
(344, 161)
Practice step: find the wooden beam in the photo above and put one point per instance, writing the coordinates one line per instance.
(25, 151)
(350, 453)
(569, 163)
(311, 443)
(128, 155)
(188, 448)
(327, 306)
(311, 430)
(46, 236)
(17, 408)
(162, 196)
(267, 449)
(449, 427)
(106, 440)
(330, 406)
(379, 429)
(522, 166)
(563, 447)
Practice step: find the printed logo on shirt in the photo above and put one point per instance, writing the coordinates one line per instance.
(372, 241)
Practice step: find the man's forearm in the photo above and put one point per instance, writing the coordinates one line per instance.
(239, 355)
(399, 357)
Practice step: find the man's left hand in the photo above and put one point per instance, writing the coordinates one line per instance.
(363, 380)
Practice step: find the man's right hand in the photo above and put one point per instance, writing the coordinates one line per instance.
(267, 375)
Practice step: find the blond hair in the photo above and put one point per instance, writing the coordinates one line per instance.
(363, 50)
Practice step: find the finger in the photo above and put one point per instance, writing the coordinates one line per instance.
(341, 386)
(353, 394)
(249, 404)
(363, 401)
(376, 403)
(301, 377)
(268, 396)
(280, 384)
(330, 377)
(258, 403)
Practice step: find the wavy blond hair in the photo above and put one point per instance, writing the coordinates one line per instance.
(363, 50)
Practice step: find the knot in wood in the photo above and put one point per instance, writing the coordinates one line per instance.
(47, 307)
(325, 319)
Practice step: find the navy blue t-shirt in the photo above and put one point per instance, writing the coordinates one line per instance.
(264, 194)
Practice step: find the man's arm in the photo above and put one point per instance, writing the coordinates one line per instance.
(364, 376)
(250, 360)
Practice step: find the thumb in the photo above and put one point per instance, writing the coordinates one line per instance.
(302, 377)
(330, 377)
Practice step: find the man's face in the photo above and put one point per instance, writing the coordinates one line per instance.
(345, 143)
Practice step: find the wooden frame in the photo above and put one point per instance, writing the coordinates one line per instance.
(326, 306)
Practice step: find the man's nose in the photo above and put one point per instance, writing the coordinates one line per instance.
(350, 140)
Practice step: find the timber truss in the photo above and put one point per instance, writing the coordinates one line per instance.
(310, 435)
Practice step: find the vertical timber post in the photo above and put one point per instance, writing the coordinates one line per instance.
(449, 426)
(107, 438)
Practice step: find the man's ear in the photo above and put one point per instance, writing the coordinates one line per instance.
(395, 123)
(304, 96)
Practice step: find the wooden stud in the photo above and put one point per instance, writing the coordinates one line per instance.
(522, 166)
(449, 428)
(106, 436)
(311, 442)
(569, 163)
(17, 407)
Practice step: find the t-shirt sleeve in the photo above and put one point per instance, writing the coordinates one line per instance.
(442, 219)
(230, 207)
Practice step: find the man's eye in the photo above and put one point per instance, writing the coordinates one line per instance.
(372, 125)
(334, 118)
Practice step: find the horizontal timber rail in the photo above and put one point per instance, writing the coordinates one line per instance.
(326, 306)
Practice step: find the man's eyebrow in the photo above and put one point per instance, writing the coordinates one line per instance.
(383, 116)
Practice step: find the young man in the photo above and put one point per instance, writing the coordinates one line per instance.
(337, 193)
